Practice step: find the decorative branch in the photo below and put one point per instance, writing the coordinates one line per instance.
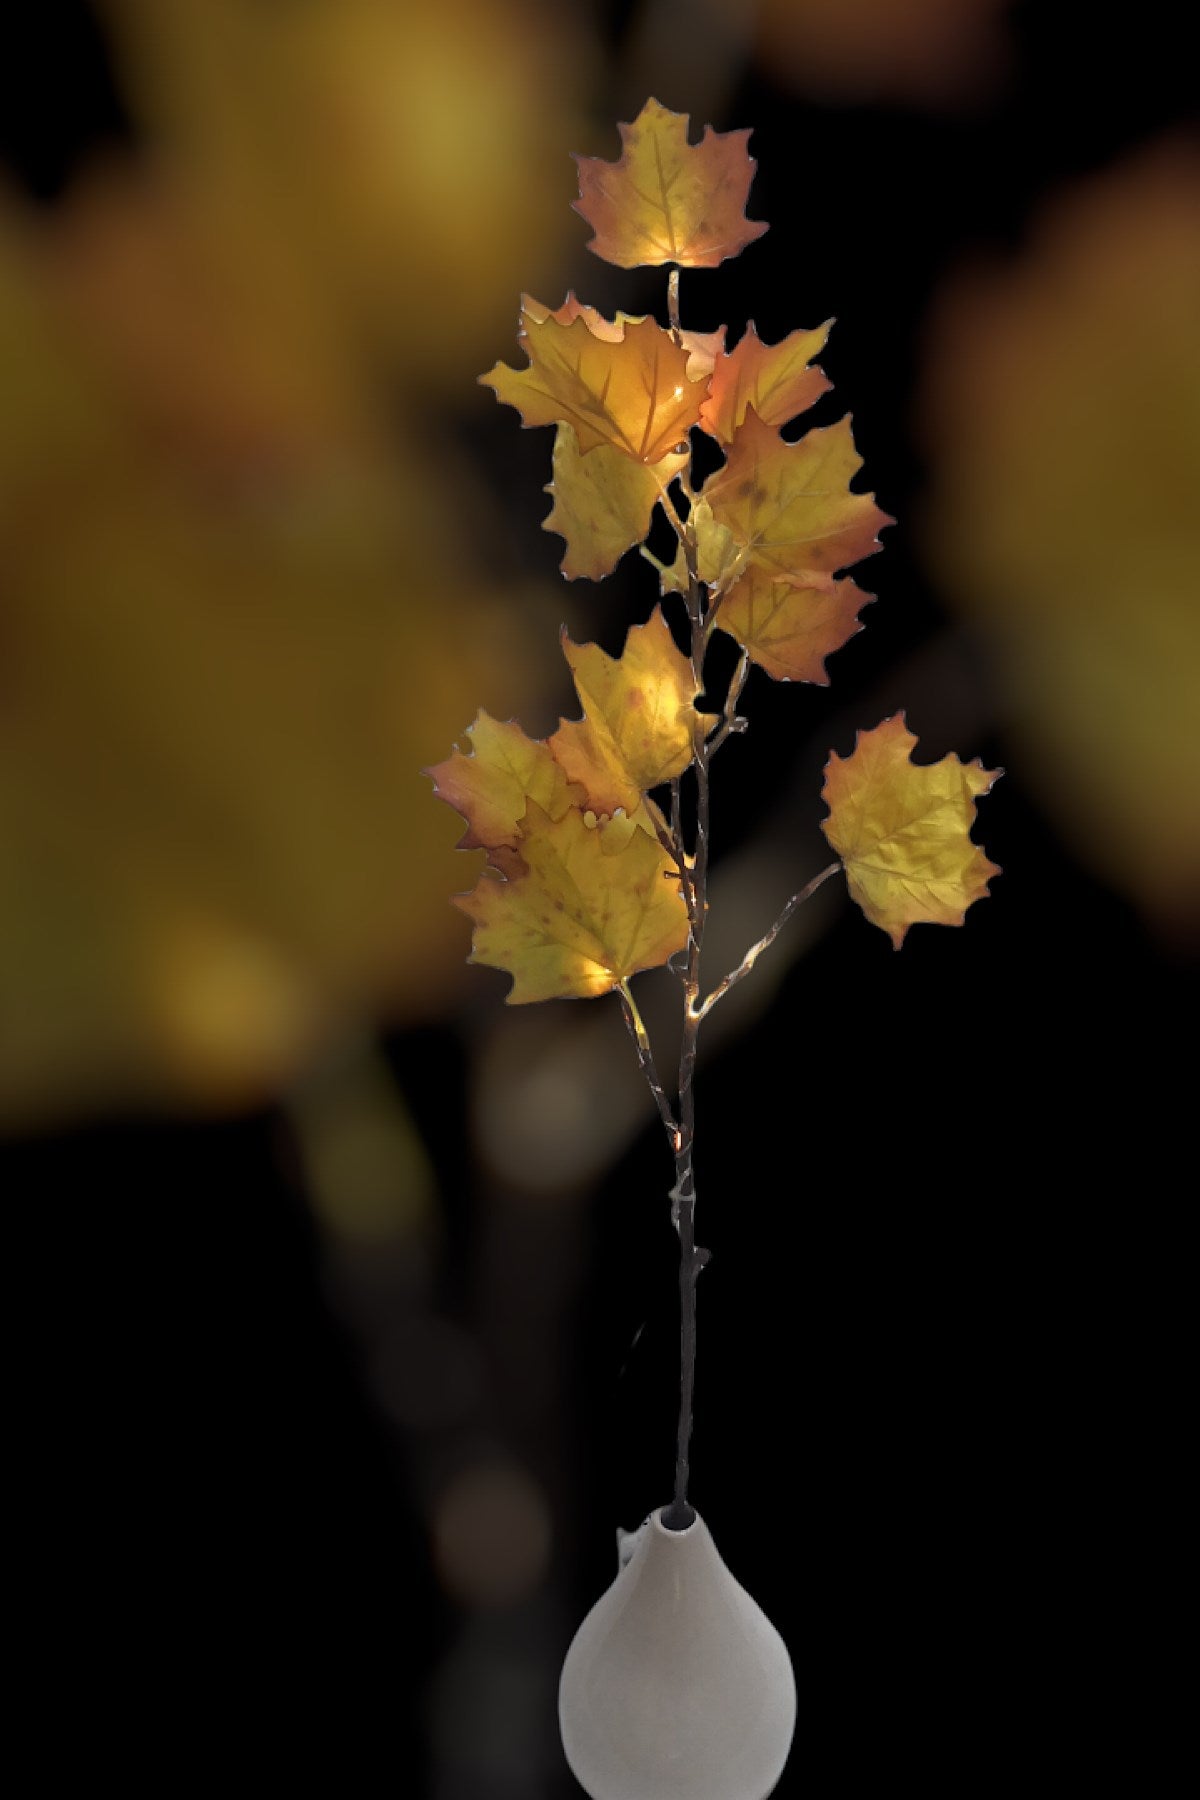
(576, 902)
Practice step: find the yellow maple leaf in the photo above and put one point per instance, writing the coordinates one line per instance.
(492, 785)
(790, 505)
(602, 503)
(788, 628)
(639, 721)
(592, 905)
(777, 380)
(903, 831)
(668, 201)
(612, 330)
(632, 393)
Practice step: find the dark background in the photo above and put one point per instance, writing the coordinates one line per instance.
(941, 1338)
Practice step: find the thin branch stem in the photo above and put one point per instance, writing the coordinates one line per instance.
(685, 873)
(683, 1195)
(641, 1039)
(722, 588)
(730, 722)
(764, 943)
(673, 304)
(669, 839)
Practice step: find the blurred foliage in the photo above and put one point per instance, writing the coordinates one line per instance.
(923, 53)
(1063, 414)
(245, 588)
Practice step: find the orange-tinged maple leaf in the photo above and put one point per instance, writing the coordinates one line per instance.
(790, 505)
(777, 380)
(632, 393)
(592, 906)
(903, 830)
(493, 785)
(703, 347)
(789, 630)
(602, 503)
(665, 200)
(639, 721)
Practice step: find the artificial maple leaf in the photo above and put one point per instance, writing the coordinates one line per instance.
(602, 502)
(777, 380)
(639, 721)
(611, 330)
(665, 200)
(593, 905)
(788, 629)
(790, 505)
(493, 785)
(705, 349)
(632, 393)
(903, 831)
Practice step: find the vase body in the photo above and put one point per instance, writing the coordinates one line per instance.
(677, 1686)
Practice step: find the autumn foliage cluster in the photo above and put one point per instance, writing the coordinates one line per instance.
(589, 878)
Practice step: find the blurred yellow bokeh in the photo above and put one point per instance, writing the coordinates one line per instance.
(1062, 413)
(245, 585)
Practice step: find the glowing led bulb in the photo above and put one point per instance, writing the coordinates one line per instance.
(676, 1686)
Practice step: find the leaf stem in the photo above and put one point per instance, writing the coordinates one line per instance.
(764, 943)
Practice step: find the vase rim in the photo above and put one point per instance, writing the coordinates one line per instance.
(688, 1531)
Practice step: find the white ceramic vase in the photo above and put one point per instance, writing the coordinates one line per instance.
(676, 1686)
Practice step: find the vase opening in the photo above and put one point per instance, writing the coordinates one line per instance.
(677, 1517)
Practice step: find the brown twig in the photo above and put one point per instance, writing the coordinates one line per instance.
(641, 1039)
(730, 722)
(764, 943)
